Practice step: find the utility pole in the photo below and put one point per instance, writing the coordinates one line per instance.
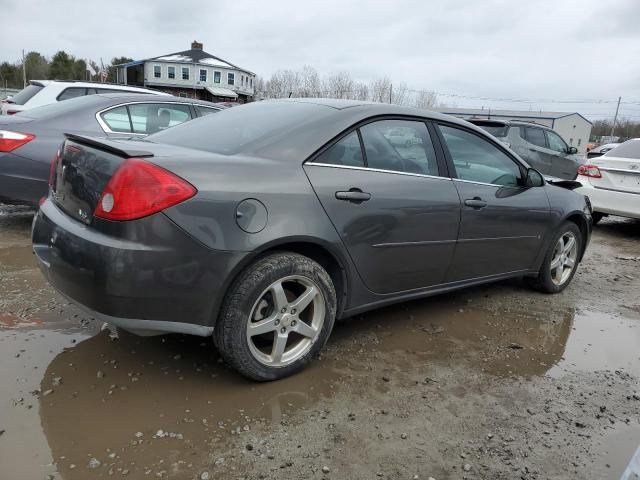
(615, 118)
(390, 91)
(24, 72)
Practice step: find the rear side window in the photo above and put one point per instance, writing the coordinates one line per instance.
(117, 119)
(477, 160)
(26, 94)
(399, 146)
(72, 92)
(535, 136)
(346, 152)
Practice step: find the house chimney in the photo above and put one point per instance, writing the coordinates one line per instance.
(196, 45)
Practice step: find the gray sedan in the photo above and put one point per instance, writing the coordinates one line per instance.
(29, 139)
(262, 224)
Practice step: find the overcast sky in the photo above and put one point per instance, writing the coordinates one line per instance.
(559, 49)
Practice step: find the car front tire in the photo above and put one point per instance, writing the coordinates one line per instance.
(276, 316)
(561, 260)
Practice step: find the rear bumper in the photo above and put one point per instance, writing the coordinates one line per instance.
(611, 202)
(147, 277)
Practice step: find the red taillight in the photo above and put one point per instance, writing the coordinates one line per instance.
(589, 171)
(52, 169)
(9, 141)
(139, 189)
(12, 112)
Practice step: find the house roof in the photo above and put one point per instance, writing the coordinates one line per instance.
(193, 55)
(510, 113)
(197, 55)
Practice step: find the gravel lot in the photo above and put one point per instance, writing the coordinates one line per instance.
(492, 382)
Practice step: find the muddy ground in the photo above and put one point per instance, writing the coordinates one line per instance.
(492, 382)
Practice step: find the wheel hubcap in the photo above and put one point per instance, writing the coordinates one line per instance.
(285, 321)
(564, 258)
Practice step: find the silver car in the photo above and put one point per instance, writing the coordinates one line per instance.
(539, 146)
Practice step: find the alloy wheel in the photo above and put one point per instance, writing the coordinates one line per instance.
(285, 321)
(565, 256)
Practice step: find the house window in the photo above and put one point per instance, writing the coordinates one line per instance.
(203, 75)
(242, 80)
(231, 78)
(185, 73)
(251, 82)
(171, 72)
(157, 72)
(216, 77)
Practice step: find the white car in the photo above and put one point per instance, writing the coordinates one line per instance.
(612, 181)
(44, 92)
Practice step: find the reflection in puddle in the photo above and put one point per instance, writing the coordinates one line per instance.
(115, 396)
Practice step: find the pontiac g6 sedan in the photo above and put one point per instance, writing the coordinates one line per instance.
(262, 224)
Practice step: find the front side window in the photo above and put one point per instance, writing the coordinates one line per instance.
(171, 72)
(346, 152)
(399, 146)
(555, 142)
(231, 78)
(477, 160)
(157, 72)
(203, 75)
(72, 92)
(117, 119)
(185, 73)
(535, 136)
(216, 77)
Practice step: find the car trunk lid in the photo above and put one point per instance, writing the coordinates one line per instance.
(618, 173)
(82, 169)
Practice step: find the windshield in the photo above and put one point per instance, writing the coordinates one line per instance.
(26, 94)
(237, 129)
(60, 108)
(629, 149)
(495, 129)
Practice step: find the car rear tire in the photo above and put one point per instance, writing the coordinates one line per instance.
(276, 316)
(561, 261)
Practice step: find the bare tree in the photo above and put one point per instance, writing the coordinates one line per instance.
(426, 100)
(379, 90)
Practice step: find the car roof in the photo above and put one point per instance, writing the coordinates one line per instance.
(491, 121)
(80, 83)
(145, 97)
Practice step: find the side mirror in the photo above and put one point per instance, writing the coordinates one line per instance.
(572, 150)
(534, 178)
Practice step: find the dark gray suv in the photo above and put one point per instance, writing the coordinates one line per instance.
(539, 146)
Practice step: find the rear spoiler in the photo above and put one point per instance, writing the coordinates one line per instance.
(559, 182)
(122, 149)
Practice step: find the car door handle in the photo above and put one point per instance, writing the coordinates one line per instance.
(476, 203)
(353, 195)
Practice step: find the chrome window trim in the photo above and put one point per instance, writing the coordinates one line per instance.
(488, 184)
(106, 128)
(379, 170)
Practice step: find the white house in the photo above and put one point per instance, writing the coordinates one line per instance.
(191, 73)
(573, 127)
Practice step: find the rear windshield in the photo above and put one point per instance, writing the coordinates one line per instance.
(494, 129)
(238, 129)
(24, 95)
(60, 108)
(629, 149)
